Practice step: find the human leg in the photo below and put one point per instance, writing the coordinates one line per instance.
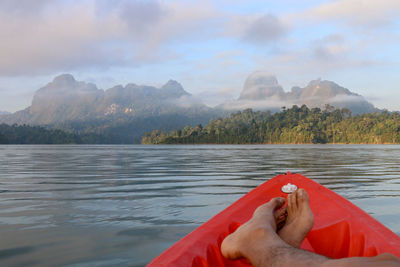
(258, 241)
(385, 259)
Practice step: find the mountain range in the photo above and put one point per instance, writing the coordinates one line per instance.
(125, 113)
(262, 90)
(65, 99)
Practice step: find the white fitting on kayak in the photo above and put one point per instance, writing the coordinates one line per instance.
(289, 188)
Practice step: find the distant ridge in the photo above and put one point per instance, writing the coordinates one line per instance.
(122, 114)
(262, 91)
(65, 99)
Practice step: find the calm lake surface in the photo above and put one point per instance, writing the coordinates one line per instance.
(123, 205)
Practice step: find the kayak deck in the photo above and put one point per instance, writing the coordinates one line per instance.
(340, 229)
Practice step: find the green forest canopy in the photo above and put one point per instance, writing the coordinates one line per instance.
(25, 134)
(296, 125)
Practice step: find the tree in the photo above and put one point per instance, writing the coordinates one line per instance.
(3, 139)
(294, 125)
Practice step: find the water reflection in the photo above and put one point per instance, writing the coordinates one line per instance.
(123, 205)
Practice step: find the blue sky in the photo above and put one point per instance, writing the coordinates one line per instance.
(210, 47)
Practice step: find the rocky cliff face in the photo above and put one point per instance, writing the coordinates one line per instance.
(65, 99)
(319, 93)
(173, 89)
(262, 91)
(260, 85)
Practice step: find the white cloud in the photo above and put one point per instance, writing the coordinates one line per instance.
(347, 98)
(93, 34)
(185, 101)
(269, 104)
(355, 12)
(210, 46)
(59, 40)
(331, 54)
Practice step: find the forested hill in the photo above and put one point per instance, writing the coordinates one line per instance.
(297, 125)
(24, 134)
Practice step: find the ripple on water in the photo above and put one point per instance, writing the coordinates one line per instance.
(95, 204)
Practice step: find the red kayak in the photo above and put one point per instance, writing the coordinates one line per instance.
(340, 229)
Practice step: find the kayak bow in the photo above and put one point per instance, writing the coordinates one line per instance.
(340, 229)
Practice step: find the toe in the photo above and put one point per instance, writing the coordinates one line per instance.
(300, 194)
(269, 207)
(302, 197)
(277, 202)
(280, 213)
(290, 204)
(293, 201)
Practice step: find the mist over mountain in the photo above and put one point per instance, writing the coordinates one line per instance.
(4, 113)
(261, 91)
(122, 114)
(65, 99)
(260, 85)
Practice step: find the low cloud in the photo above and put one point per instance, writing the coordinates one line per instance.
(347, 99)
(268, 104)
(215, 98)
(186, 101)
(275, 104)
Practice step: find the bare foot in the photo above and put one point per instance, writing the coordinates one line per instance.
(300, 219)
(280, 218)
(259, 229)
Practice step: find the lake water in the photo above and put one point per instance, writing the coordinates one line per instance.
(123, 205)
